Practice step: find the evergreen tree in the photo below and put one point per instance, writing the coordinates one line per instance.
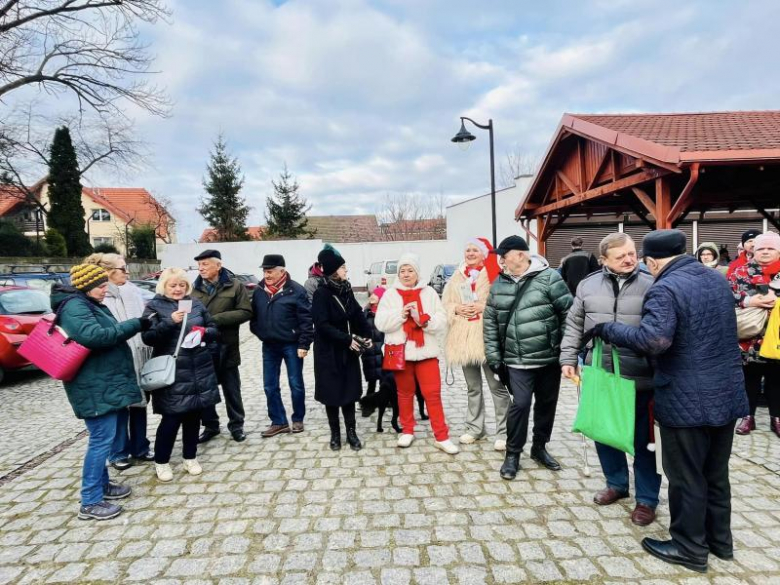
(143, 242)
(286, 216)
(66, 213)
(224, 209)
(55, 243)
(12, 240)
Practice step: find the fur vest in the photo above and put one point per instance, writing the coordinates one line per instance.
(464, 345)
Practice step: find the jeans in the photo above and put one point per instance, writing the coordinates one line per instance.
(230, 380)
(94, 476)
(475, 409)
(169, 428)
(133, 443)
(615, 466)
(273, 355)
(544, 385)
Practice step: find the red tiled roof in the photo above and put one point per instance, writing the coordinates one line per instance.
(340, 229)
(10, 198)
(128, 203)
(210, 234)
(682, 138)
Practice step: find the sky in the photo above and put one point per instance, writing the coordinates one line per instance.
(360, 98)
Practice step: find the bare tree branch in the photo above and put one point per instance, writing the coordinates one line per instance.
(406, 216)
(518, 162)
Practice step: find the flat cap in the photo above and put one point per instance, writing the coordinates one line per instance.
(208, 254)
(661, 244)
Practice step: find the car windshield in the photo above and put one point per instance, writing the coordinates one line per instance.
(18, 302)
(449, 270)
(392, 267)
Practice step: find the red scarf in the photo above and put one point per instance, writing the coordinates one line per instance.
(413, 331)
(769, 271)
(274, 288)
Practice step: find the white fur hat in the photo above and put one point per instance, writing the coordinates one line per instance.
(410, 259)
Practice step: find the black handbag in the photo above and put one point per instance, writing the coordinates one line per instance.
(503, 369)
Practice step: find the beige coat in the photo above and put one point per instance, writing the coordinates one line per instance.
(464, 344)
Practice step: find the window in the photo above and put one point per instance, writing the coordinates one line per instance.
(100, 215)
(99, 241)
(391, 267)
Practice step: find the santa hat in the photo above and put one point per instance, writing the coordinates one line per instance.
(491, 260)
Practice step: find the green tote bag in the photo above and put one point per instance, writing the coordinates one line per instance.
(606, 412)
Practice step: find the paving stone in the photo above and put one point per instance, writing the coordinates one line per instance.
(145, 569)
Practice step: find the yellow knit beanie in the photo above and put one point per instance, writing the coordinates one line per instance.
(85, 277)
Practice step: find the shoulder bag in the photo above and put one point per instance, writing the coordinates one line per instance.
(160, 372)
(751, 322)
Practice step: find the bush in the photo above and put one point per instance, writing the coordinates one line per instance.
(55, 243)
(106, 249)
(12, 241)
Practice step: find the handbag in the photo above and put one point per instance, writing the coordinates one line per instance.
(607, 409)
(770, 345)
(395, 357)
(49, 348)
(751, 322)
(160, 372)
(503, 369)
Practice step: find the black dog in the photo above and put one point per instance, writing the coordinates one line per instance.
(388, 396)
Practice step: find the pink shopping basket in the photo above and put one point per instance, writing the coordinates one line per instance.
(49, 348)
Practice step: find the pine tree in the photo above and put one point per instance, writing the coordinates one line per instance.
(66, 213)
(286, 216)
(224, 210)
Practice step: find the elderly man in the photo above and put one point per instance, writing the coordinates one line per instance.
(615, 293)
(523, 326)
(228, 302)
(689, 327)
(281, 319)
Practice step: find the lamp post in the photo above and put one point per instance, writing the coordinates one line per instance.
(462, 138)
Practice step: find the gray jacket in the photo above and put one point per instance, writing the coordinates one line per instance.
(600, 300)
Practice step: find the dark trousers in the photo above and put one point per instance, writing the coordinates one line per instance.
(348, 410)
(770, 372)
(696, 462)
(139, 444)
(230, 380)
(543, 384)
(169, 428)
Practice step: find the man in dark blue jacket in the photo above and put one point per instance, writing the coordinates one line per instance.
(281, 318)
(689, 328)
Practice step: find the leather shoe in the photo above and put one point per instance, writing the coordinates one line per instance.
(511, 466)
(207, 435)
(541, 456)
(238, 436)
(148, 456)
(669, 552)
(723, 555)
(274, 430)
(774, 425)
(643, 515)
(746, 425)
(608, 496)
(121, 464)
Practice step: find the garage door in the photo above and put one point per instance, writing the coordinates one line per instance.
(559, 243)
(639, 231)
(727, 233)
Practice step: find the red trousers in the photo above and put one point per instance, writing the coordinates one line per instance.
(427, 375)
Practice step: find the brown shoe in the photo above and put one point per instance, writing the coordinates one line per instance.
(643, 515)
(608, 496)
(274, 430)
(297, 426)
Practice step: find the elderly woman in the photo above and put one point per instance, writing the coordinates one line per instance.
(125, 302)
(757, 284)
(195, 386)
(464, 300)
(341, 332)
(105, 385)
(411, 315)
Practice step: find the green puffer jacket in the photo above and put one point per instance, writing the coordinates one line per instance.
(534, 331)
(106, 381)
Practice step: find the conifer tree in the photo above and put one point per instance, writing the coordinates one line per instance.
(224, 209)
(286, 216)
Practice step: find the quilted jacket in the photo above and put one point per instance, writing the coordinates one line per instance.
(690, 328)
(533, 332)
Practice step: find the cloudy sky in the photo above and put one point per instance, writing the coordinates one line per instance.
(360, 98)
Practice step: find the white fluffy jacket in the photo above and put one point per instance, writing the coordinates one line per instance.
(389, 321)
(465, 345)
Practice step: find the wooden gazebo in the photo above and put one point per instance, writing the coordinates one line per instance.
(657, 167)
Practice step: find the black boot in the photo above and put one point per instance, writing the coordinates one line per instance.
(352, 438)
(511, 465)
(541, 456)
(335, 440)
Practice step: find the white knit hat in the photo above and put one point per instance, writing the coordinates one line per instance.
(410, 259)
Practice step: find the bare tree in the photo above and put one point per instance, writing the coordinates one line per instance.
(517, 162)
(407, 216)
(162, 221)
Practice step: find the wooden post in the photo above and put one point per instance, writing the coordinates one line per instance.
(541, 244)
(663, 203)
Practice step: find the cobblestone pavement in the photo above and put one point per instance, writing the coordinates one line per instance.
(288, 510)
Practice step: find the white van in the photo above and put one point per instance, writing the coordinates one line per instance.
(381, 274)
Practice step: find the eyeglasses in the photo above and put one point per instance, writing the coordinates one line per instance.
(122, 269)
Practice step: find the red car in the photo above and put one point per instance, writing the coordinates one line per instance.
(20, 310)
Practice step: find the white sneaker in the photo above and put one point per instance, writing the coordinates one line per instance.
(404, 440)
(447, 446)
(467, 439)
(499, 445)
(193, 467)
(164, 471)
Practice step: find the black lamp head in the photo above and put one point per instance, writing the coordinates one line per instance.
(463, 136)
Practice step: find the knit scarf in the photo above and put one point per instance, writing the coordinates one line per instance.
(472, 274)
(769, 271)
(274, 288)
(413, 331)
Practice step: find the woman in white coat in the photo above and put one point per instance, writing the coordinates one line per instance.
(411, 315)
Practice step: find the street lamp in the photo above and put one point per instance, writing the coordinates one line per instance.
(462, 139)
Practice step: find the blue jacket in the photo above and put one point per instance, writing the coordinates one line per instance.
(283, 318)
(689, 327)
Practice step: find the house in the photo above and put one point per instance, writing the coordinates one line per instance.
(110, 213)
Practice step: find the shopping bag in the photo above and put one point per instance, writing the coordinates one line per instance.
(607, 409)
(50, 348)
(770, 346)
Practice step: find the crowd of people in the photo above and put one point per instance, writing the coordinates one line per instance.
(506, 318)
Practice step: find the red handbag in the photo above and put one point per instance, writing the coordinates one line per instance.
(49, 348)
(395, 357)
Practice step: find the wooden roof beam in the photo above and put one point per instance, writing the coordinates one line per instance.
(684, 200)
(645, 200)
(568, 182)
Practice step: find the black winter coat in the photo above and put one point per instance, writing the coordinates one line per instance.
(336, 367)
(284, 317)
(195, 387)
(372, 358)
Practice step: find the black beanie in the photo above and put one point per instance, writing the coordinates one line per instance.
(330, 260)
(663, 244)
(750, 235)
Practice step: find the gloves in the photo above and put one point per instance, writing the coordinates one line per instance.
(146, 323)
(495, 368)
(597, 331)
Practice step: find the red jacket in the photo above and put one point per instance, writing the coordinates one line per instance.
(741, 260)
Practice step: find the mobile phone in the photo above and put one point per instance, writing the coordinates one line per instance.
(763, 289)
(185, 306)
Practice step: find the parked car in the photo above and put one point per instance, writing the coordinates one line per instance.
(251, 282)
(381, 273)
(441, 275)
(148, 288)
(20, 310)
(34, 276)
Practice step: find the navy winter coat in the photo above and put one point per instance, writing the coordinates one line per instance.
(689, 327)
(195, 386)
(283, 318)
